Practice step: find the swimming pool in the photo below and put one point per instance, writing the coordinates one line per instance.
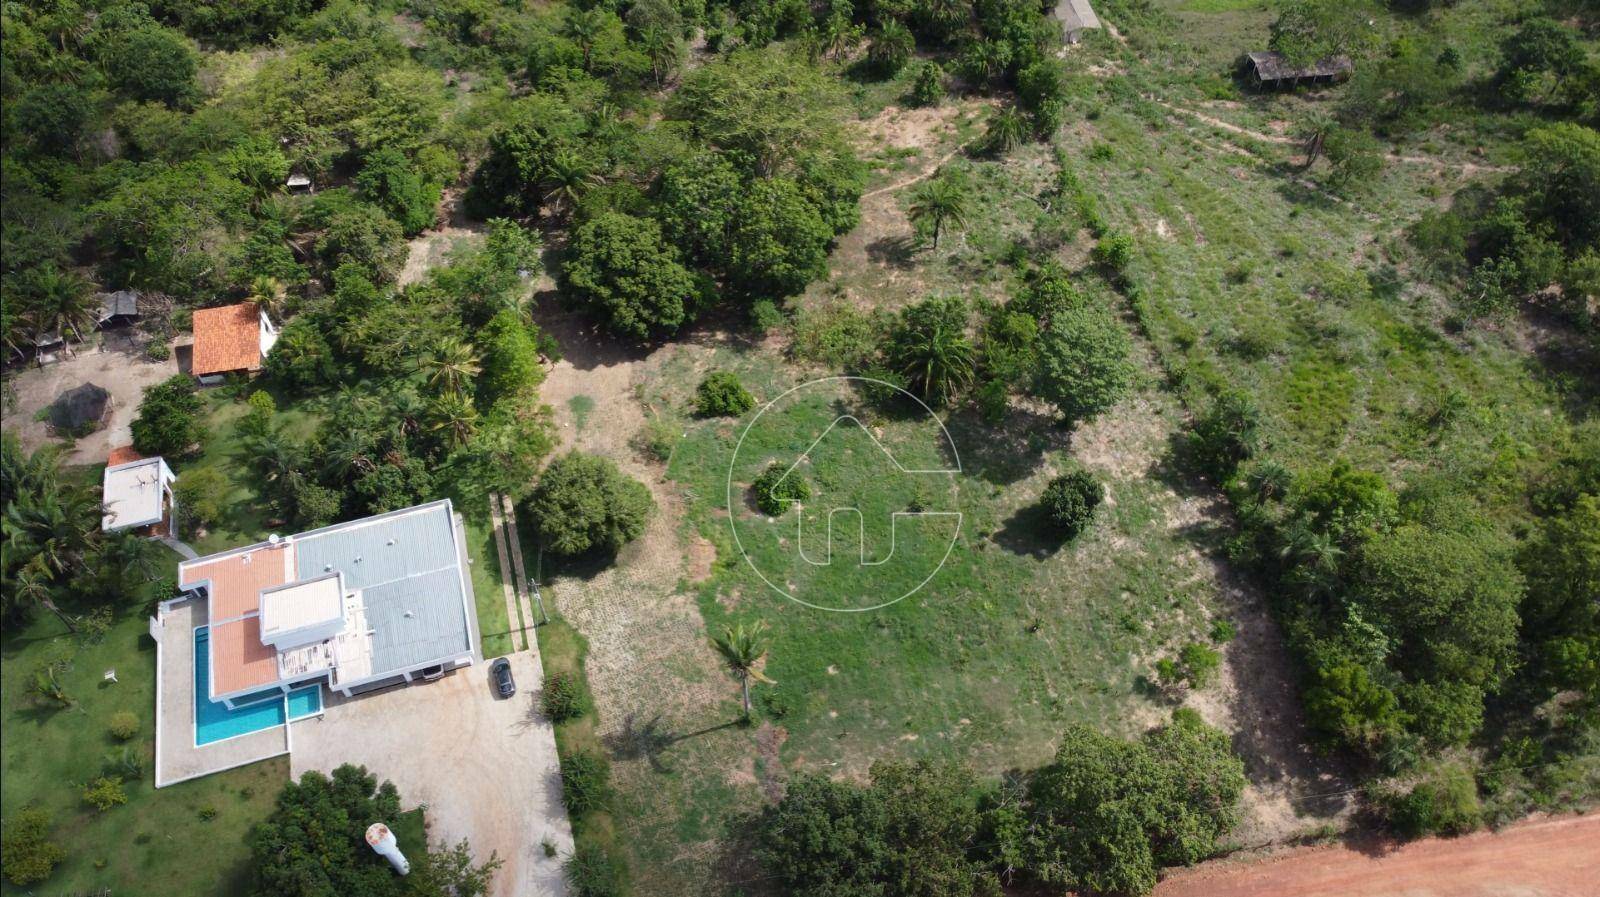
(213, 721)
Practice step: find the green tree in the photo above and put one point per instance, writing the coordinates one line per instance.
(388, 180)
(621, 269)
(510, 358)
(697, 204)
(153, 63)
(27, 855)
(1538, 60)
(1084, 362)
(742, 648)
(778, 241)
(450, 366)
(1561, 182)
(927, 86)
(584, 503)
(930, 347)
(773, 106)
(169, 418)
(1354, 157)
(258, 163)
(721, 394)
(940, 203)
(199, 495)
(891, 48)
(1309, 31)
(1344, 703)
(910, 831)
(1070, 501)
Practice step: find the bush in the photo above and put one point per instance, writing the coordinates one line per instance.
(27, 855)
(585, 782)
(563, 697)
(1114, 252)
(775, 492)
(722, 395)
(1070, 500)
(158, 350)
(1200, 663)
(591, 872)
(104, 792)
(1444, 803)
(1084, 362)
(1227, 435)
(1223, 631)
(124, 725)
(199, 495)
(169, 418)
(838, 335)
(891, 48)
(927, 86)
(584, 503)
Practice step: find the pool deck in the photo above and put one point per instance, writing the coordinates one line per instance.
(177, 757)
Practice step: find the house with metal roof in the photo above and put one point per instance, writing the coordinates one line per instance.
(357, 606)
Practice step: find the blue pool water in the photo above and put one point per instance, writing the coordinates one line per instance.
(213, 721)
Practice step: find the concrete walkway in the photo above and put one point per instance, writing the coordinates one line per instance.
(514, 628)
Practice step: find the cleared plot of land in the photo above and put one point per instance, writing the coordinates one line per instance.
(121, 368)
(1547, 858)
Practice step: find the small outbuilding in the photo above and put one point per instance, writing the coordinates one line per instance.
(118, 309)
(230, 339)
(298, 183)
(1269, 70)
(1076, 16)
(79, 410)
(138, 494)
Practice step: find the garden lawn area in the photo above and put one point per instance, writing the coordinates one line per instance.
(244, 515)
(158, 844)
(493, 629)
(1014, 637)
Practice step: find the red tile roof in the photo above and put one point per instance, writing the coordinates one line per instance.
(227, 339)
(122, 454)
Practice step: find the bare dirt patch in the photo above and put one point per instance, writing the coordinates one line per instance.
(118, 365)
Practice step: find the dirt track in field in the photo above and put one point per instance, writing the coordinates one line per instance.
(1557, 857)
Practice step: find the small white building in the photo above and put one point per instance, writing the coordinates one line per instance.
(138, 494)
(1076, 16)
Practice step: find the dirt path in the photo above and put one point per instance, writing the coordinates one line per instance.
(1468, 169)
(915, 179)
(514, 630)
(1545, 858)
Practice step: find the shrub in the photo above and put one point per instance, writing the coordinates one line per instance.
(1070, 500)
(1200, 663)
(158, 350)
(104, 792)
(927, 87)
(1226, 435)
(1444, 803)
(592, 872)
(891, 48)
(722, 395)
(169, 418)
(584, 503)
(838, 335)
(207, 813)
(27, 855)
(563, 697)
(124, 725)
(775, 492)
(585, 782)
(1223, 631)
(1114, 252)
(199, 495)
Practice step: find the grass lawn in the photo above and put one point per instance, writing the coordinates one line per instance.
(493, 628)
(157, 844)
(245, 519)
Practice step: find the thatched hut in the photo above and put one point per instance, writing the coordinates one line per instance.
(1269, 70)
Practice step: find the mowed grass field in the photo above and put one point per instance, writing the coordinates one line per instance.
(1014, 636)
(161, 842)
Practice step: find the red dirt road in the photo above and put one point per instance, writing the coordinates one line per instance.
(1548, 858)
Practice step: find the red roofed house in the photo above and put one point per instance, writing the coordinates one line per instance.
(230, 339)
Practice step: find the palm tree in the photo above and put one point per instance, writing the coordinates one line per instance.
(1007, 131)
(567, 178)
(454, 419)
(939, 362)
(348, 454)
(585, 29)
(451, 365)
(1314, 130)
(939, 204)
(662, 47)
(33, 587)
(742, 647)
(61, 300)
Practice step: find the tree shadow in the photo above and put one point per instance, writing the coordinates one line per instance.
(650, 740)
(894, 251)
(1009, 451)
(1028, 532)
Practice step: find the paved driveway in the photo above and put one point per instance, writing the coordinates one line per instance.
(486, 768)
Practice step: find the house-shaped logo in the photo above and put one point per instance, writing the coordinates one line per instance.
(874, 511)
(839, 515)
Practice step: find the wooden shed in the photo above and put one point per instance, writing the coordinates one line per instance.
(1270, 70)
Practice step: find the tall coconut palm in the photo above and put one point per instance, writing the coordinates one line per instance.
(33, 588)
(451, 366)
(741, 648)
(60, 300)
(939, 204)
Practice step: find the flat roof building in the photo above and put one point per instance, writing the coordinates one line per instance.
(136, 493)
(362, 605)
